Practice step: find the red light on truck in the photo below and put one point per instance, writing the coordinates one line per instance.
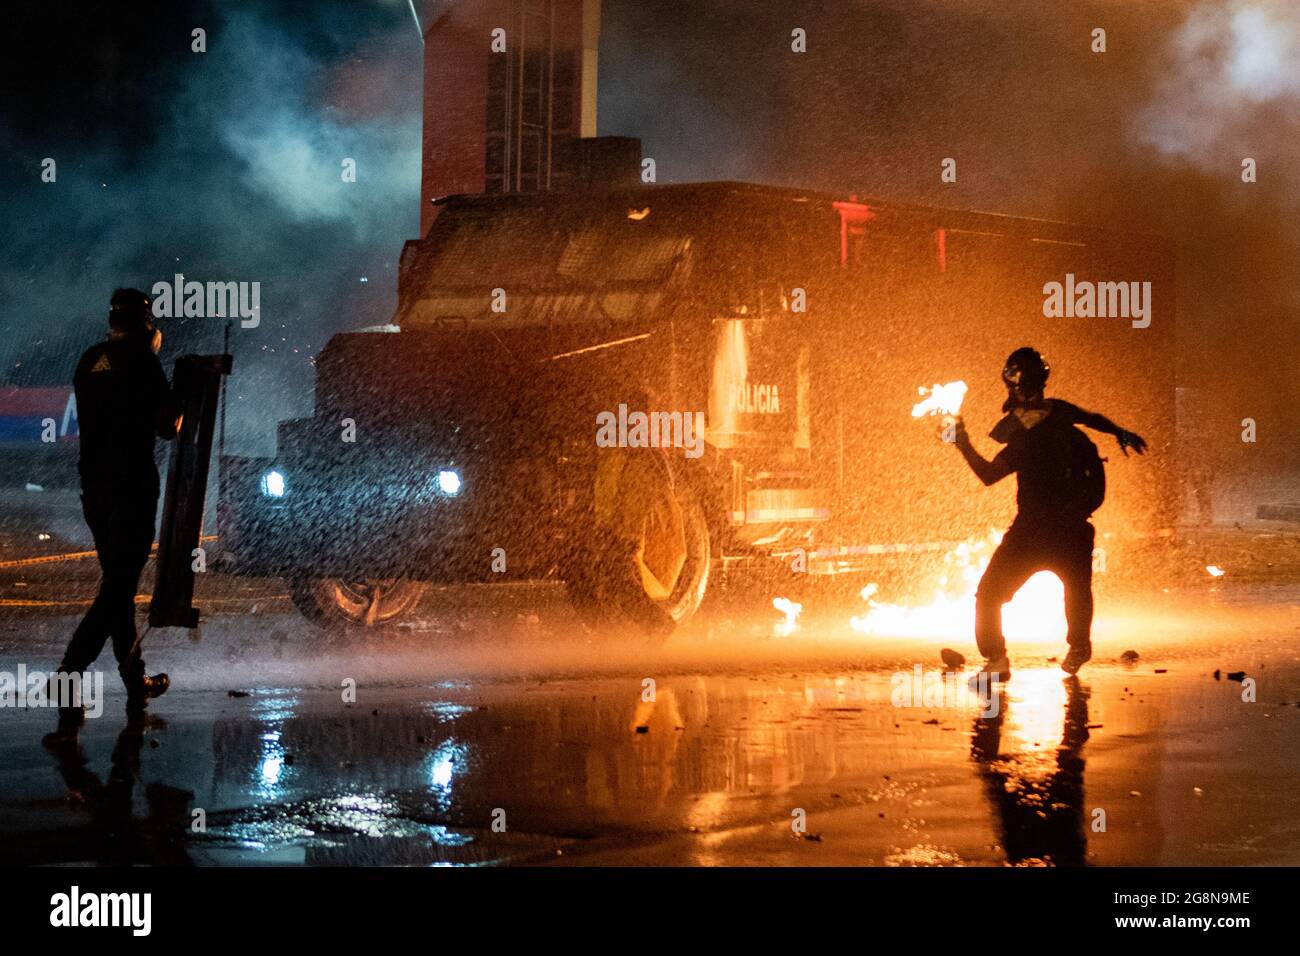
(854, 217)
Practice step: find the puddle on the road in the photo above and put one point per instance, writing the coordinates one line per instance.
(710, 769)
(736, 732)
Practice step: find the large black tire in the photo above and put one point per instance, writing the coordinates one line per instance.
(607, 594)
(693, 582)
(334, 602)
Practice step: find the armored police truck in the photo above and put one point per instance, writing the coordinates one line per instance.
(643, 388)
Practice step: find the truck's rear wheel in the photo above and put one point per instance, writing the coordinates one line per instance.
(335, 602)
(608, 580)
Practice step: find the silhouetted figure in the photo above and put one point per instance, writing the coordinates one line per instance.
(123, 404)
(1040, 815)
(1060, 483)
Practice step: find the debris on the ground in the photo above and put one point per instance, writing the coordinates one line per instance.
(952, 660)
(1129, 657)
(236, 693)
(1238, 676)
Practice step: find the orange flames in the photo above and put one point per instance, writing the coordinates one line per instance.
(791, 610)
(1036, 612)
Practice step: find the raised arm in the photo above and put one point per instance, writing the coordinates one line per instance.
(1101, 423)
(989, 472)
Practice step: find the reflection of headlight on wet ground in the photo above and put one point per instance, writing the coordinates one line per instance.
(273, 484)
(442, 771)
(271, 767)
(449, 483)
(444, 766)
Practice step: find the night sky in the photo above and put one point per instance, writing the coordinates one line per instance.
(226, 164)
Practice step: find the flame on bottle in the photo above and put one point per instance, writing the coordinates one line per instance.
(940, 399)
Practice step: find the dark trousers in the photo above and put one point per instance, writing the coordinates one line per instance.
(122, 524)
(1065, 550)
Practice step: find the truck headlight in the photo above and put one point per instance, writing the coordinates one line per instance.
(449, 483)
(273, 484)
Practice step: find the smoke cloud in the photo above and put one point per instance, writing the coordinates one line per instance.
(1230, 82)
(224, 166)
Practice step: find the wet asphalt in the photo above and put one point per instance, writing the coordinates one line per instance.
(494, 730)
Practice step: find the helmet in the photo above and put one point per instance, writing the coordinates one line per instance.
(130, 310)
(1025, 373)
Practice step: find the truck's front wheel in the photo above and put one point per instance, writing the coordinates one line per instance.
(612, 577)
(335, 602)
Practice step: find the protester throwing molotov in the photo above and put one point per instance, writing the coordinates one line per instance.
(1061, 481)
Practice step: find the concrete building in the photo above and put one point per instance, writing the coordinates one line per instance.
(509, 88)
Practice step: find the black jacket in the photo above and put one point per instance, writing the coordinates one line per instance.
(123, 404)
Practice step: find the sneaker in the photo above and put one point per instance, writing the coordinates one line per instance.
(138, 697)
(1077, 657)
(998, 669)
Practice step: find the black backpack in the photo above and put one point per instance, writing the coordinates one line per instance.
(1082, 471)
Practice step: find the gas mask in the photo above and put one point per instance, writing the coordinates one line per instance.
(1024, 374)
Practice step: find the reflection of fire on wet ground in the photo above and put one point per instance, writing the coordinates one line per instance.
(1031, 760)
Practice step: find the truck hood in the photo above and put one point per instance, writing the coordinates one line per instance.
(483, 383)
